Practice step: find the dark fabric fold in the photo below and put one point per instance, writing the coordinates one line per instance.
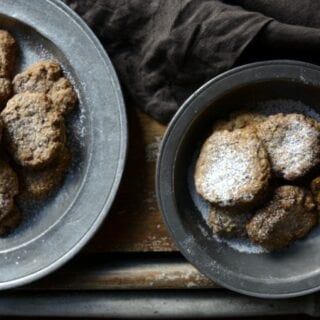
(165, 49)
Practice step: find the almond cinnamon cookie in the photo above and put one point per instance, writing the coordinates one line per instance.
(5, 91)
(34, 131)
(46, 77)
(9, 188)
(10, 221)
(8, 51)
(229, 222)
(239, 121)
(40, 183)
(293, 144)
(288, 216)
(233, 168)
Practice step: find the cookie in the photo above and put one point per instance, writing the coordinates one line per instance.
(315, 189)
(63, 95)
(40, 183)
(34, 132)
(239, 121)
(289, 215)
(233, 168)
(9, 188)
(46, 77)
(10, 221)
(293, 144)
(5, 91)
(229, 222)
(8, 51)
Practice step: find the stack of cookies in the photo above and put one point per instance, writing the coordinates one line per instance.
(35, 155)
(253, 169)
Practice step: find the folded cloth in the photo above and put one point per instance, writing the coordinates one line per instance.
(164, 49)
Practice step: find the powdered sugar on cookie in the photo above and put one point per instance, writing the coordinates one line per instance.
(232, 168)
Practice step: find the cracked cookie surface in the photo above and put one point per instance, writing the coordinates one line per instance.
(34, 132)
(229, 222)
(46, 77)
(40, 183)
(293, 144)
(289, 215)
(239, 121)
(233, 168)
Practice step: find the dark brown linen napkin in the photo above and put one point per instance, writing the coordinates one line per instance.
(164, 49)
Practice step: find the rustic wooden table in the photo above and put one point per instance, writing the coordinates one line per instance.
(121, 271)
(132, 249)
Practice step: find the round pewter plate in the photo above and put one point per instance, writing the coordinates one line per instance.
(55, 229)
(292, 271)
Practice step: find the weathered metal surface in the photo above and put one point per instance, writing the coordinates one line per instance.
(166, 304)
(55, 229)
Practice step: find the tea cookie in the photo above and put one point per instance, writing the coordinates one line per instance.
(292, 142)
(10, 221)
(239, 121)
(8, 51)
(233, 168)
(40, 183)
(288, 216)
(33, 131)
(229, 222)
(46, 77)
(9, 188)
(315, 189)
(5, 91)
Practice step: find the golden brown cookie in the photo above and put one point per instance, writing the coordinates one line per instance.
(63, 95)
(233, 168)
(288, 216)
(9, 188)
(239, 121)
(10, 221)
(40, 183)
(46, 77)
(34, 132)
(292, 142)
(8, 50)
(229, 222)
(5, 91)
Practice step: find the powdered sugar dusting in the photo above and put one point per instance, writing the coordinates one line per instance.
(228, 168)
(32, 48)
(270, 107)
(296, 149)
(241, 245)
(238, 244)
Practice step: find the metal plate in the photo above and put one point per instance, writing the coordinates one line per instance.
(54, 230)
(284, 273)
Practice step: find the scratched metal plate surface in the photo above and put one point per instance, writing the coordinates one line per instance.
(55, 229)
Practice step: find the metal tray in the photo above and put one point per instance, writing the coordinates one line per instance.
(289, 272)
(54, 230)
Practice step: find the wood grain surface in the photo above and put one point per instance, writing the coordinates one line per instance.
(131, 272)
(134, 223)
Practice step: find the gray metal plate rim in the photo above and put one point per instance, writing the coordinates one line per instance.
(164, 186)
(98, 217)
